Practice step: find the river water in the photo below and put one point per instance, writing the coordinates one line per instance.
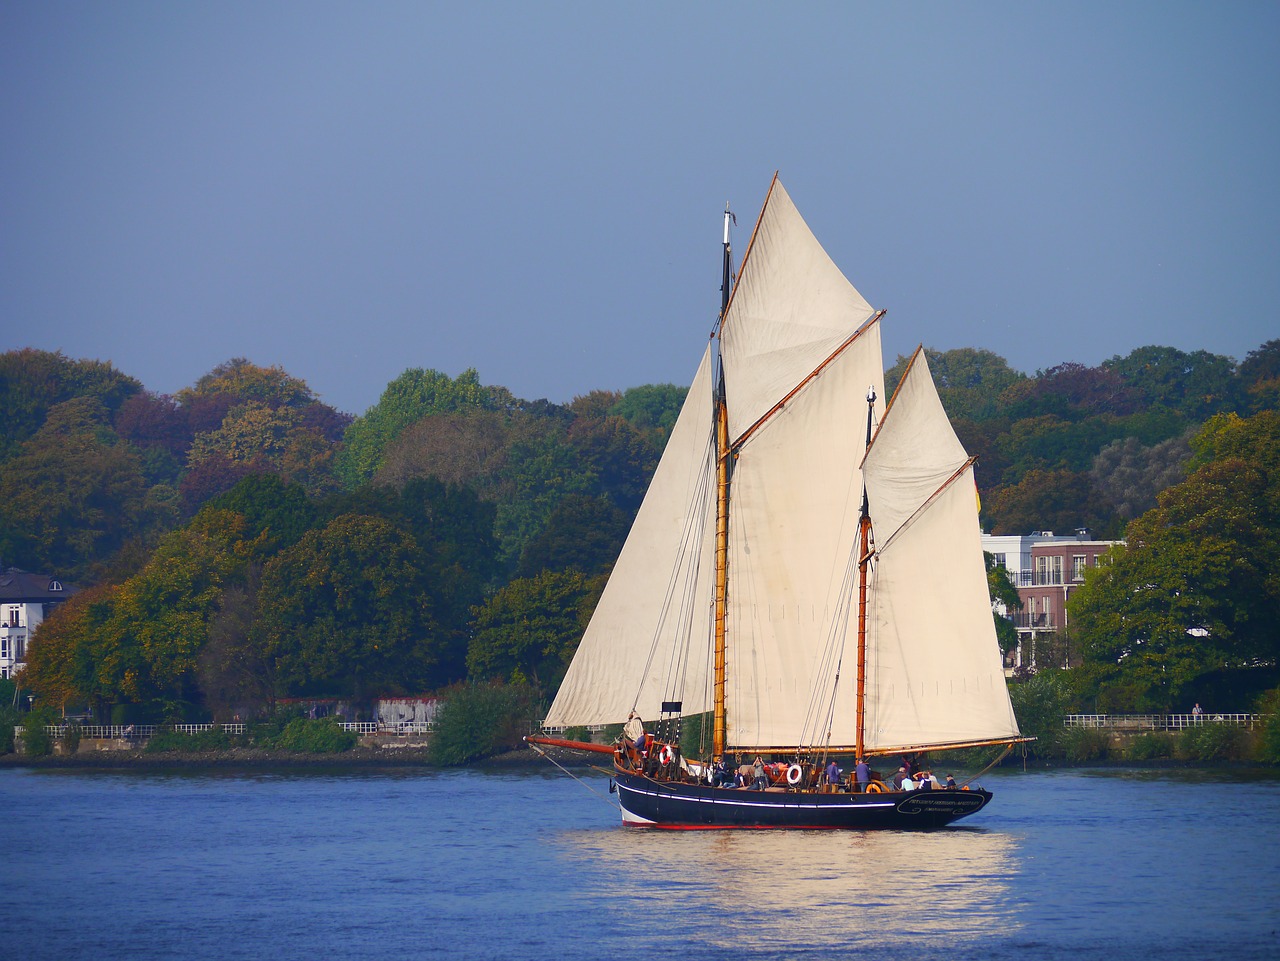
(529, 864)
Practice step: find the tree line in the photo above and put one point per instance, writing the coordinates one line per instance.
(241, 541)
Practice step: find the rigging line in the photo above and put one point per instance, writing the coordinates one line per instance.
(574, 776)
(678, 666)
(691, 528)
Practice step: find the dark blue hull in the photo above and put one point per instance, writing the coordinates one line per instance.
(673, 805)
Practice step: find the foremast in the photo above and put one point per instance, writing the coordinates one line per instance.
(722, 514)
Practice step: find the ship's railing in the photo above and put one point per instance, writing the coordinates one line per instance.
(1158, 722)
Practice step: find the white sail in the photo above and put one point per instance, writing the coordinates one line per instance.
(653, 620)
(791, 309)
(793, 529)
(934, 672)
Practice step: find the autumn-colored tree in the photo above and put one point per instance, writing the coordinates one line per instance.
(406, 400)
(267, 386)
(1045, 500)
(72, 496)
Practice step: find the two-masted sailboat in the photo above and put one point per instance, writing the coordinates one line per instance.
(806, 567)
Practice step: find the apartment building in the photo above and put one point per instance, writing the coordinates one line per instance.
(1045, 568)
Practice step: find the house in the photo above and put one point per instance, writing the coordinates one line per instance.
(1045, 568)
(25, 601)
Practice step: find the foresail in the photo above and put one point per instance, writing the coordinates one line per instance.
(934, 672)
(653, 620)
(791, 309)
(796, 498)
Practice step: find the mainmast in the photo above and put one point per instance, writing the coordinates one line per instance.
(864, 561)
(722, 511)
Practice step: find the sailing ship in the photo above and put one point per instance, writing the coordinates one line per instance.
(806, 570)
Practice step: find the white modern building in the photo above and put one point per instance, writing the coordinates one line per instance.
(25, 601)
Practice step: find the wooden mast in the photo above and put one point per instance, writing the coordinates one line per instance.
(722, 514)
(864, 561)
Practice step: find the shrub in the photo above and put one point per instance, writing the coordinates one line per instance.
(480, 720)
(36, 742)
(71, 738)
(579, 733)
(214, 739)
(1039, 703)
(304, 735)
(1147, 747)
(1267, 746)
(1081, 745)
(1211, 742)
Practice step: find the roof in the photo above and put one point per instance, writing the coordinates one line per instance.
(19, 586)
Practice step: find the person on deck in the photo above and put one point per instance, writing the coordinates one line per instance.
(900, 779)
(760, 783)
(862, 775)
(833, 775)
(951, 783)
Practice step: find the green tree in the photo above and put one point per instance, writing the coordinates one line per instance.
(529, 630)
(970, 382)
(264, 386)
(346, 610)
(1129, 475)
(652, 408)
(406, 400)
(1199, 384)
(583, 533)
(1003, 591)
(33, 381)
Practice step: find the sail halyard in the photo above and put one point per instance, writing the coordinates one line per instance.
(722, 516)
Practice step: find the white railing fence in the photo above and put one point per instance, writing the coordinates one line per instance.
(1159, 722)
(129, 731)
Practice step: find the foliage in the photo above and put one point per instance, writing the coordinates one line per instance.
(1212, 742)
(1149, 747)
(270, 386)
(583, 533)
(1081, 745)
(529, 630)
(1129, 475)
(480, 720)
(72, 495)
(34, 381)
(652, 408)
(406, 400)
(1060, 500)
(1198, 384)
(347, 607)
(213, 739)
(71, 738)
(36, 741)
(1267, 748)
(1003, 592)
(1195, 590)
(970, 381)
(311, 736)
(1039, 703)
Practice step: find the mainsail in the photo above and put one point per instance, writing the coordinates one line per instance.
(799, 349)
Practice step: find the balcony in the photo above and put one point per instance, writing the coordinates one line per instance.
(1046, 621)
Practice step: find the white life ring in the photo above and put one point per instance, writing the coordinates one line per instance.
(666, 755)
(794, 774)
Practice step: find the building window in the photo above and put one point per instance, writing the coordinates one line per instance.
(997, 560)
(1077, 567)
(55, 586)
(1049, 570)
(20, 648)
(4, 647)
(14, 617)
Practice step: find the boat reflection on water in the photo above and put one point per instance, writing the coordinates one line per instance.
(739, 889)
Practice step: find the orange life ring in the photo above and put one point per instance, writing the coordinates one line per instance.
(794, 773)
(875, 787)
(666, 755)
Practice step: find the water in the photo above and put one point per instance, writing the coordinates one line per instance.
(528, 864)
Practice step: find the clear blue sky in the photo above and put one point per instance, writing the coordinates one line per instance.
(535, 189)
